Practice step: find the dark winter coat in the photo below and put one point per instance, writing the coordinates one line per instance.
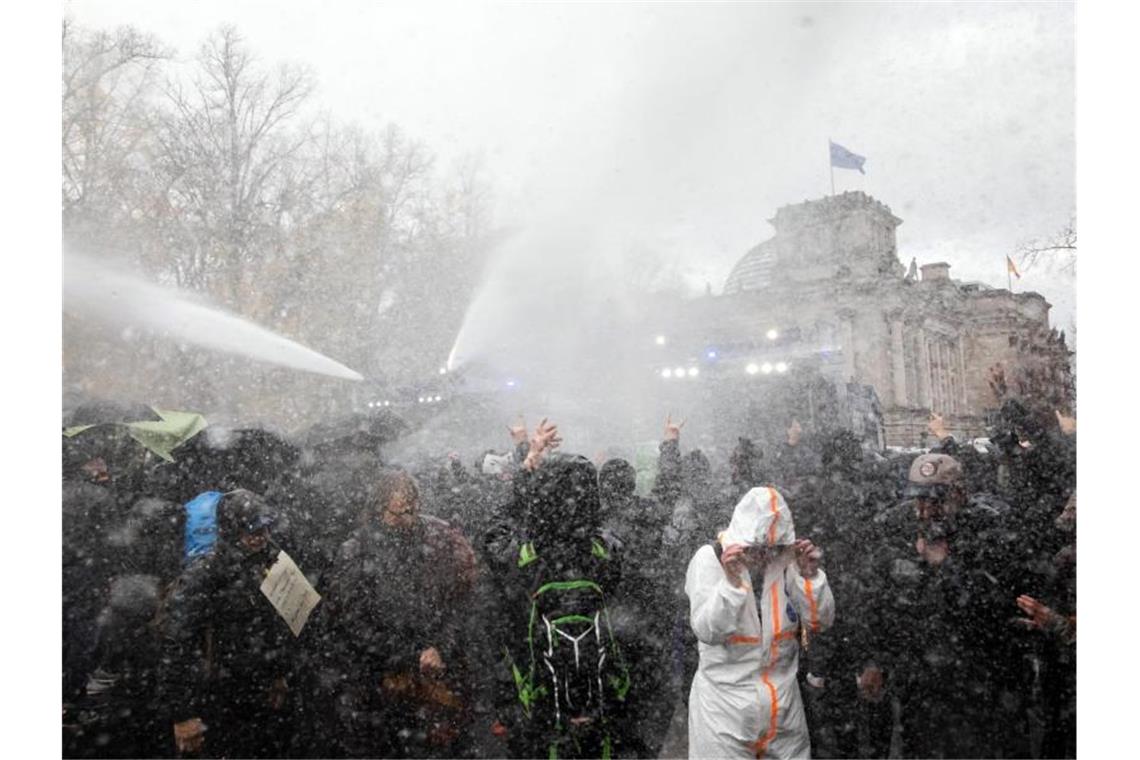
(227, 654)
(941, 632)
(391, 595)
(565, 573)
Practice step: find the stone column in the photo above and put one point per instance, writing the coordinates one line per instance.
(935, 377)
(898, 362)
(923, 373)
(931, 364)
(943, 377)
(847, 335)
(947, 381)
(955, 378)
(962, 365)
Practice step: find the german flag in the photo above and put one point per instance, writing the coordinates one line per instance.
(1011, 267)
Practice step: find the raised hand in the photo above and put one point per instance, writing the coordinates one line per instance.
(545, 439)
(518, 431)
(1040, 616)
(673, 429)
(937, 427)
(732, 560)
(808, 557)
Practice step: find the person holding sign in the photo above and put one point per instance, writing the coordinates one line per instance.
(227, 650)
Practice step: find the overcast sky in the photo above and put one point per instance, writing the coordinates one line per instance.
(685, 126)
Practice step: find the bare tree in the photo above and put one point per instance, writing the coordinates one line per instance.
(214, 179)
(1058, 250)
(108, 78)
(224, 150)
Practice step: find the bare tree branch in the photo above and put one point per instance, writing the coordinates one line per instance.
(1058, 250)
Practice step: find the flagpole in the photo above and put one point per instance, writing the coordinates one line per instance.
(831, 166)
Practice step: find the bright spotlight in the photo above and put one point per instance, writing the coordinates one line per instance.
(510, 383)
(666, 373)
(693, 371)
(781, 367)
(371, 404)
(443, 370)
(439, 398)
(660, 340)
(773, 334)
(420, 399)
(679, 372)
(711, 354)
(387, 403)
(766, 368)
(752, 369)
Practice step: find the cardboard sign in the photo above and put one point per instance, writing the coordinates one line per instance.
(290, 592)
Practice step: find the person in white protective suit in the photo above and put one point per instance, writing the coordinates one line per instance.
(752, 595)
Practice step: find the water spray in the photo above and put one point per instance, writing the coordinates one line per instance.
(94, 291)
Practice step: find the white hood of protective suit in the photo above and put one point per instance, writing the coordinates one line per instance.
(761, 518)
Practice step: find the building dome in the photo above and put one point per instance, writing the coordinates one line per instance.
(755, 270)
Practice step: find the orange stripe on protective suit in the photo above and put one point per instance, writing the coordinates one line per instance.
(762, 744)
(738, 639)
(812, 606)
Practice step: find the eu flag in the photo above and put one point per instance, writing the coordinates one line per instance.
(845, 159)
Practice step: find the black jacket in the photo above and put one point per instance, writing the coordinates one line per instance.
(224, 644)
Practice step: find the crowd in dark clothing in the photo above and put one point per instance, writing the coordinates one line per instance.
(532, 605)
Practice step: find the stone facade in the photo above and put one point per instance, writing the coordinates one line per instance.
(831, 286)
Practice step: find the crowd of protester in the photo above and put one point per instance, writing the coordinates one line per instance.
(533, 603)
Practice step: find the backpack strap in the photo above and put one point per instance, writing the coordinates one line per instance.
(527, 554)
